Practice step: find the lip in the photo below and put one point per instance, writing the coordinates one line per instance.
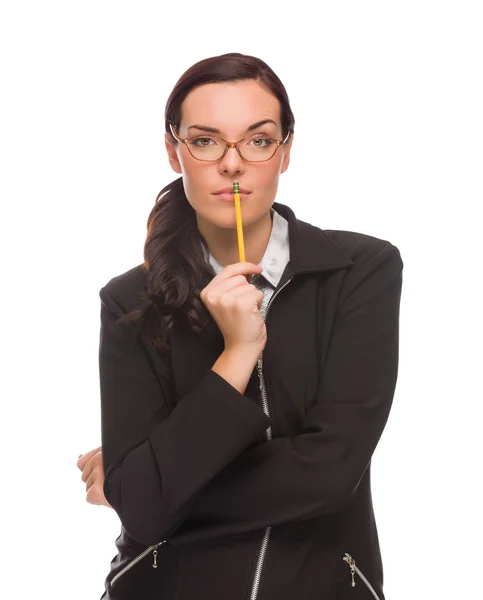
(230, 197)
(229, 190)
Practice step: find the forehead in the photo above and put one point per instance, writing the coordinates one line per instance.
(231, 107)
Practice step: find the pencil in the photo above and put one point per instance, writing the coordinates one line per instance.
(239, 224)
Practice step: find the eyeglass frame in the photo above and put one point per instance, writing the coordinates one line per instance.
(229, 145)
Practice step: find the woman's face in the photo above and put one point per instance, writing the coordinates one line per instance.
(230, 108)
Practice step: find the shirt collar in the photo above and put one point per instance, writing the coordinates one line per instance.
(277, 253)
(312, 249)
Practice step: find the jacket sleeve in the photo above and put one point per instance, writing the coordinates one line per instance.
(317, 471)
(157, 458)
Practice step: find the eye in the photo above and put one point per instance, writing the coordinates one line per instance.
(262, 138)
(203, 141)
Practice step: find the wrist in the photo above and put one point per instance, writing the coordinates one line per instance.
(247, 352)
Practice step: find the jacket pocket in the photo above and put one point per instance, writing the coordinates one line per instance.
(355, 569)
(136, 560)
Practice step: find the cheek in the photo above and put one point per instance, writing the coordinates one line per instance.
(194, 171)
(186, 161)
(269, 174)
(196, 180)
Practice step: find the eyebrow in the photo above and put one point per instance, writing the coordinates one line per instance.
(213, 130)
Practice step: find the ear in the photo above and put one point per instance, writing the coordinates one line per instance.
(286, 156)
(171, 149)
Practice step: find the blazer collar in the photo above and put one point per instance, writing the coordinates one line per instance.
(311, 248)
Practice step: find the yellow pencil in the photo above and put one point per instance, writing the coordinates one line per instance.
(239, 224)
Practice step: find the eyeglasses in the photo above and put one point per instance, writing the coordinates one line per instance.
(257, 148)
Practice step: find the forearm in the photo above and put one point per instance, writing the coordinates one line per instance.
(157, 458)
(236, 365)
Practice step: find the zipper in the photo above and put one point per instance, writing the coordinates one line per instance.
(153, 548)
(263, 548)
(355, 569)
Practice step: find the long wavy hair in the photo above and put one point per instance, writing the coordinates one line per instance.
(174, 263)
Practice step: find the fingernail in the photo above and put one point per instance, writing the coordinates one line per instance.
(80, 455)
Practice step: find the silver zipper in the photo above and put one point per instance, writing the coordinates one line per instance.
(153, 548)
(355, 569)
(266, 537)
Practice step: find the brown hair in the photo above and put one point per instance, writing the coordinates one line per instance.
(174, 264)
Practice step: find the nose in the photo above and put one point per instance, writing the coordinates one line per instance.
(232, 163)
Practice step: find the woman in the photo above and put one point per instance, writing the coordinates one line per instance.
(242, 401)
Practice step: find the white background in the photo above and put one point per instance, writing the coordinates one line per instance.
(388, 104)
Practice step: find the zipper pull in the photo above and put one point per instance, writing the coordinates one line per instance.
(352, 563)
(155, 554)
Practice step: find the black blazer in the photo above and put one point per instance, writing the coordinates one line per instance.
(211, 509)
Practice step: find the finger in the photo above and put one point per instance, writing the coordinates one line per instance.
(94, 464)
(87, 470)
(222, 286)
(240, 268)
(245, 296)
(86, 457)
(91, 480)
(238, 292)
(237, 272)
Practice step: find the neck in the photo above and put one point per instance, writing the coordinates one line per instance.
(223, 243)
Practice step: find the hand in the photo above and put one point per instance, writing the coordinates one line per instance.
(93, 475)
(235, 306)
